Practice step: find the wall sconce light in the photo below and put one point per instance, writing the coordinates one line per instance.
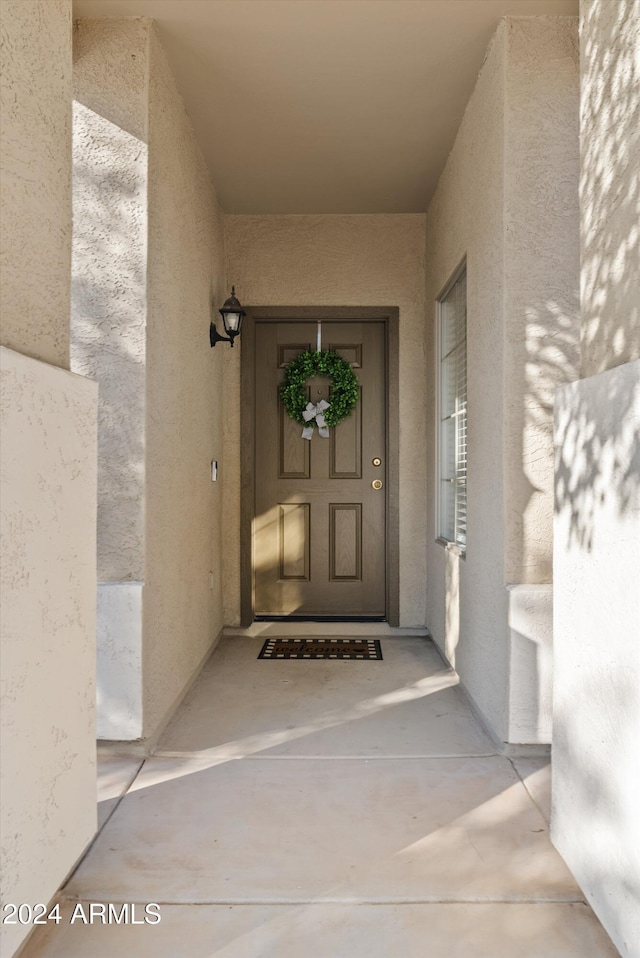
(232, 315)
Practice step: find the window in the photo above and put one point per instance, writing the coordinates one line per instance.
(452, 412)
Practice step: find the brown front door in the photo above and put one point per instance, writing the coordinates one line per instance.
(319, 534)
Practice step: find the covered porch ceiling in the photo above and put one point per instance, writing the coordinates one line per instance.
(325, 106)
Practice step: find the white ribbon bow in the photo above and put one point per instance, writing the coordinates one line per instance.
(316, 412)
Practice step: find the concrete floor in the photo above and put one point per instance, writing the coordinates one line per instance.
(325, 810)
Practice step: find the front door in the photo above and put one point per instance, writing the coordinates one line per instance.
(319, 531)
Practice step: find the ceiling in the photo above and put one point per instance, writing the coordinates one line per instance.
(325, 106)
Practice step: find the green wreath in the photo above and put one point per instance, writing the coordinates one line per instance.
(326, 362)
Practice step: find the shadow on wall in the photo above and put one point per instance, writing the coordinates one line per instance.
(108, 324)
(108, 344)
(551, 360)
(610, 187)
(608, 866)
(610, 328)
(597, 461)
(598, 453)
(583, 441)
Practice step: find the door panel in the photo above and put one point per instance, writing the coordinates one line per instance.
(294, 541)
(345, 541)
(319, 536)
(345, 450)
(295, 457)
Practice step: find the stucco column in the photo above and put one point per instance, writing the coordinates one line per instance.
(109, 335)
(596, 711)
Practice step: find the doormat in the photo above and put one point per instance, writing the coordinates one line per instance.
(367, 649)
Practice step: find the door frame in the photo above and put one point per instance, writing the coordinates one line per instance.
(389, 315)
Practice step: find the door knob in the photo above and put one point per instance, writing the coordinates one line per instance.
(376, 484)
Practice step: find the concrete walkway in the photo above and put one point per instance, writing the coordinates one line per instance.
(299, 809)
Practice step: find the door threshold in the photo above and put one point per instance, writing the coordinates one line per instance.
(319, 618)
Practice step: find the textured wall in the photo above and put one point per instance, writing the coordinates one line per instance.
(530, 663)
(109, 279)
(35, 189)
(148, 259)
(596, 722)
(108, 335)
(610, 182)
(466, 602)
(327, 260)
(542, 275)
(185, 405)
(508, 201)
(119, 661)
(111, 71)
(48, 624)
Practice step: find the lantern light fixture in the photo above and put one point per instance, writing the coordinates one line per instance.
(232, 315)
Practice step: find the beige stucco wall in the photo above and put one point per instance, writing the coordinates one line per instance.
(148, 261)
(466, 610)
(109, 277)
(35, 182)
(109, 335)
(48, 496)
(541, 275)
(610, 182)
(47, 652)
(334, 260)
(507, 200)
(596, 722)
(184, 402)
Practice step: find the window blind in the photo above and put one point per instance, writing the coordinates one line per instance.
(453, 413)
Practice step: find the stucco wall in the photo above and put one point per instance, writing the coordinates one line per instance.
(109, 335)
(466, 603)
(109, 278)
(184, 401)
(35, 185)
(596, 722)
(375, 260)
(542, 275)
(119, 661)
(507, 200)
(48, 624)
(610, 182)
(596, 775)
(48, 496)
(530, 663)
(148, 261)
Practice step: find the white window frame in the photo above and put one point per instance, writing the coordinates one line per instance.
(458, 543)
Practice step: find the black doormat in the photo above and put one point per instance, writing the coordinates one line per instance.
(367, 649)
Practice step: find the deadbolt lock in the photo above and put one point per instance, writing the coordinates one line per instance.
(376, 484)
(377, 461)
